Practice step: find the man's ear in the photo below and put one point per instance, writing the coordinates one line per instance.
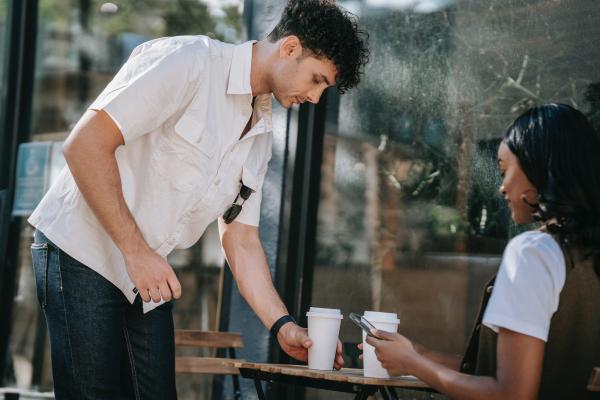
(290, 47)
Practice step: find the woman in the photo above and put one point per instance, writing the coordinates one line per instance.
(538, 336)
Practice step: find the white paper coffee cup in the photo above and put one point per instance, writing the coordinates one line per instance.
(323, 331)
(387, 322)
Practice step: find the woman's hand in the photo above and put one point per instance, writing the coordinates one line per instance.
(396, 353)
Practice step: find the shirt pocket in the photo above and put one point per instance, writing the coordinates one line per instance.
(186, 156)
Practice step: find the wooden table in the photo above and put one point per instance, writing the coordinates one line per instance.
(348, 380)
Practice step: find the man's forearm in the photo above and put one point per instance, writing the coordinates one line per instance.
(94, 167)
(249, 266)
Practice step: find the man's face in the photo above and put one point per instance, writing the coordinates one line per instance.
(300, 77)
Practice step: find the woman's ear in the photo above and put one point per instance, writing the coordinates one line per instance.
(530, 197)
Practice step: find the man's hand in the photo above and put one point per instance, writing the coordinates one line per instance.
(152, 276)
(248, 263)
(294, 340)
(90, 154)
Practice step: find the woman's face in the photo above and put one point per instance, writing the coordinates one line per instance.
(516, 188)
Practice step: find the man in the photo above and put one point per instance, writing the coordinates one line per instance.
(180, 137)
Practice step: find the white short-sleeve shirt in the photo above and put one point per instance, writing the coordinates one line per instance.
(528, 285)
(181, 104)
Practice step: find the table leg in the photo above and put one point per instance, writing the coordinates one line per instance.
(393, 393)
(361, 396)
(365, 392)
(384, 393)
(237, 391)
(259, 390)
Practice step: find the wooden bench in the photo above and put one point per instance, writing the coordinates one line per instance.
(210, 365)
(594, 383)
(7, 393)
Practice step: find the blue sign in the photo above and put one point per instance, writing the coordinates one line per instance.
(32, 178)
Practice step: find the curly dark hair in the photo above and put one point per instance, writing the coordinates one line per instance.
(328, 31)
(558, 149)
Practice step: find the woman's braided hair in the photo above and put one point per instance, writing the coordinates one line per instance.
(558, 150)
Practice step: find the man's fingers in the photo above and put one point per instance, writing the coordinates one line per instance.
(165, 292)
(175, 286)
(338, 362)
(144, 295)
(155, 295)
(303, 338)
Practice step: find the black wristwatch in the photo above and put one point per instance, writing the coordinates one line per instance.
(279, 323)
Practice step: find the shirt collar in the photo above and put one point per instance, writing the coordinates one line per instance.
(239, 73)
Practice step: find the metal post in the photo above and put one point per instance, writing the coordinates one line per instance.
(20, 56)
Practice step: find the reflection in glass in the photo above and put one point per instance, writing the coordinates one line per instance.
(80, 46)
(3, 57)
(410, 220)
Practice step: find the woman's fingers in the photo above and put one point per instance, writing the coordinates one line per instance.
(372, 341)
(384, 335)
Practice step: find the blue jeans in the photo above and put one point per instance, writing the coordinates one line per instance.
(102, 346)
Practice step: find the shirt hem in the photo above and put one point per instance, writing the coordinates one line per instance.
(64, 244)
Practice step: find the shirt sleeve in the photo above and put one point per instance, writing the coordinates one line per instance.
(250, 214)
(528, 285)
(157, 80)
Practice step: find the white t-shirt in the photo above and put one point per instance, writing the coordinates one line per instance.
(528, 285)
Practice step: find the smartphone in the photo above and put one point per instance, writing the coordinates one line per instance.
(364, 324)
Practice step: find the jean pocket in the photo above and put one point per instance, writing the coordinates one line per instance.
(39, 258)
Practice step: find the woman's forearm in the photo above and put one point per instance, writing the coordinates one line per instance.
(457, 385)
(451, 361)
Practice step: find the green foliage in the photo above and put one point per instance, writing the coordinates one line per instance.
(59, 12)
(150, 18)
(188, 17)
(446, 221)
(155, 18)
(166, 18)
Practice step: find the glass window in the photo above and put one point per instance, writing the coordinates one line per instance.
(3, 55)
(410, 220)
(80, 46)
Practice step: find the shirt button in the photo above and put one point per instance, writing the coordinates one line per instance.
(489, 289)
(217, 181)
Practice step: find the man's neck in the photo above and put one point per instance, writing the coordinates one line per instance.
(259, 71)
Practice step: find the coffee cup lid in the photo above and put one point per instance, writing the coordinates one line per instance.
(383, 317)
(325, 312)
